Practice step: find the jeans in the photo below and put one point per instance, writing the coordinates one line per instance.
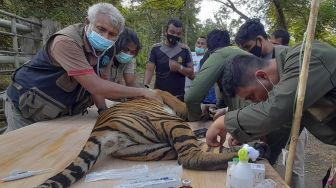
(14, 118)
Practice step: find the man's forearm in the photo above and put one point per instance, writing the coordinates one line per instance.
(148, 77)
(118, 91)
(107, 89)
(99, 101)
(186, 71)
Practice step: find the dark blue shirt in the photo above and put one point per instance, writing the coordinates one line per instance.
(173, 82)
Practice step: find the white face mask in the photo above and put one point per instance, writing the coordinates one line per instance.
(268, 91)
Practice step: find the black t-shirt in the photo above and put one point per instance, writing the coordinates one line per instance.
(173, 82)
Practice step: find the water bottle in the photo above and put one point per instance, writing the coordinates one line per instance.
(231, 166)
(242, 175)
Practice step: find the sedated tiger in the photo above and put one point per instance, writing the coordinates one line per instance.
(144, 130)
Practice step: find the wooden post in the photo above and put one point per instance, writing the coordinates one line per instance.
(301, 89)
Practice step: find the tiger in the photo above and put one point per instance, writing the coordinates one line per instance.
(144, 130)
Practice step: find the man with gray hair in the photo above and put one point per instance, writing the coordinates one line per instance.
(70, 72)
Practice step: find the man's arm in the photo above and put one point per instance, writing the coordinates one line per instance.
(176, 67)
(258, 119)
(71, 57)
(150, 67)
(110, 90)
(204, 80)
(130, 80)
(99, 101)
(149, 73)
(129, 75)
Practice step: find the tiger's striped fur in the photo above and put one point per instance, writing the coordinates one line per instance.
(143, 130)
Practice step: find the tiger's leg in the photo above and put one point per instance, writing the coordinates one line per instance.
(189, 151)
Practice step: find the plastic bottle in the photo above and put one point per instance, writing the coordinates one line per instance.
(231, 166)
(242, 175)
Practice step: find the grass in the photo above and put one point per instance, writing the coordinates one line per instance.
(4, 81)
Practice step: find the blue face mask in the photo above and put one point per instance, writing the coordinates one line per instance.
(199, 50)
(98, 42)
(124, 58)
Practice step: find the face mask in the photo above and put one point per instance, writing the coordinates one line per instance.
(199, 50)
(256, 50)
(172, 39)
(264, 85)
(124, 58)
(98, 42)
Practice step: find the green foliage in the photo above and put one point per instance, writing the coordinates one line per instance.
(297, 15)
(64, 12)
(5, 81)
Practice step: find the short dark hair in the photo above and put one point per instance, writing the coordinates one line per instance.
(239, 72)
(283, 34)
(249, 31)
(217, 39)
(125, 37)
(175, 22)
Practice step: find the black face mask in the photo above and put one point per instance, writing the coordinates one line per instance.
(172, 39)
(256, 50)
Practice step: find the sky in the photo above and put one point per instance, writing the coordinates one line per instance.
(208, 9)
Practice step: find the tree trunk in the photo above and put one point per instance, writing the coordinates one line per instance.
(231, 5)
(281, 20)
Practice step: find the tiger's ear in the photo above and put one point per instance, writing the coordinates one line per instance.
(174, 103)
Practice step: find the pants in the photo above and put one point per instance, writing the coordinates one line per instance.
(278, 140)
(298, 180)
(14, 119)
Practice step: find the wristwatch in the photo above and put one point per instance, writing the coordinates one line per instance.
(146, 86)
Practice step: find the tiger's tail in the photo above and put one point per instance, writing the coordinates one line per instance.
(77, 169)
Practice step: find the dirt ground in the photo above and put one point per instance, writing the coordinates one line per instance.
(318, 158)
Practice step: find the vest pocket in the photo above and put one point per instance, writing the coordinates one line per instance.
(66, 83)
(35, 105)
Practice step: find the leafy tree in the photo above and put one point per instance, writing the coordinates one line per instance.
(292, 15)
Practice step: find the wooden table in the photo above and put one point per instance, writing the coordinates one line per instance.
(54, 144)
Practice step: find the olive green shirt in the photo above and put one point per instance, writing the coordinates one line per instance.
(209, 74)
(259, 119)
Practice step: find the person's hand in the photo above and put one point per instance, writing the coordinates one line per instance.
(152, 95)
(206, 115)
(233, 142)
(216, 129)
(216, 113)
(174, 66)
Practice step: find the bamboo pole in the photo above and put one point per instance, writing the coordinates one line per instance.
(301, 89)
